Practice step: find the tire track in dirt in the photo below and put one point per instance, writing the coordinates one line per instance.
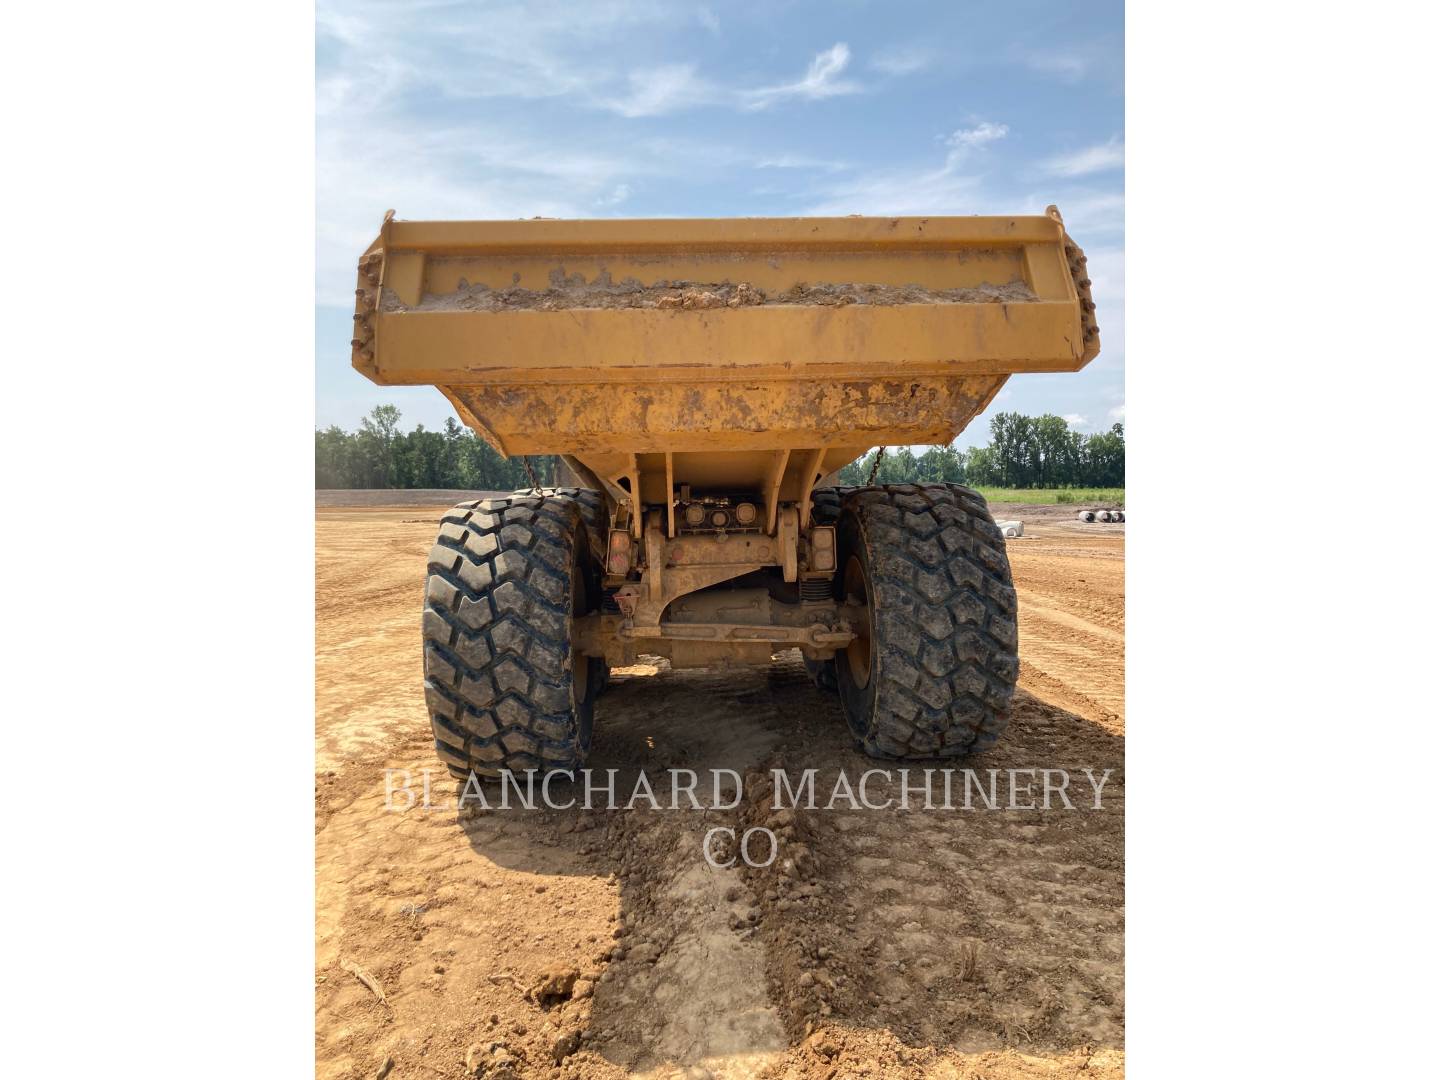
(688, 988)
(1072, 621)
(1049, 613)
(368, 656)
(662, 946)
(931, 942)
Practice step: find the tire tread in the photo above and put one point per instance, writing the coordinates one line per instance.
(496, 633)
(944, 610)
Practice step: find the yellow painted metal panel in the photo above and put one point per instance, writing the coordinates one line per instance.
(608, 345)
(821, 337)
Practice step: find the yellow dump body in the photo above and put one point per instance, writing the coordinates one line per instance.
(725, 354)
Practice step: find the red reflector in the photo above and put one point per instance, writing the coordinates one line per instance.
(618, 559)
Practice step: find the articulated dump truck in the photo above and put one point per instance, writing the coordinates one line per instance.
(702, 382)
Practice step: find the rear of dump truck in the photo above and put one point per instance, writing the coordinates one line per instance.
(701, 381)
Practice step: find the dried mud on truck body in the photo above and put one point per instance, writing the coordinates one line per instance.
(573, 291)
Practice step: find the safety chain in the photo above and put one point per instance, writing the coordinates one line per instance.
(530, 472)
(875, 467)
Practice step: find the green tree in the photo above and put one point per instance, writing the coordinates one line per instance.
(1104, 458)
(334, 467)
(982, 467)
(376, 445)
(940, 465)
(1024, 451)
(1058, 451)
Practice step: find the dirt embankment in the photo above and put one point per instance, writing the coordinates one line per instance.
(573, 943)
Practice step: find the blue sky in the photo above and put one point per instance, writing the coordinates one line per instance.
(638, 109)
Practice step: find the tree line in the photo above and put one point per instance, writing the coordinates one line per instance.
(1024, 452)
(380, 455)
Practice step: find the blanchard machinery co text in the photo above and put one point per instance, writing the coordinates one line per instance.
(758, 846)
(682, 789)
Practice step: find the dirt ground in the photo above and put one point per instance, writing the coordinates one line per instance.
(897, 943)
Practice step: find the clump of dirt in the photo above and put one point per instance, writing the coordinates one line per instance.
(835, 295)
(553, 986)
(573, 291)
(742, 295)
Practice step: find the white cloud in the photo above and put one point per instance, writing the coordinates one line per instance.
(662, 90)
(1118, 413)
(1092, 159)
(965, 140)
(533, 51)
(821, 80)
(1075, 420)
(905, 61)
(942, 190)
(970, 138)
(672, 87)
(801, 161)
(381, 47)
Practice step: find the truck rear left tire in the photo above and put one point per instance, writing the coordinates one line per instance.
(504, 686)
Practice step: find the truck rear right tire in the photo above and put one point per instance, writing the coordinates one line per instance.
(933, 670)
(504, 686)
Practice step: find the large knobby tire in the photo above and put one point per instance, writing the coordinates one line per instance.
(504, 687)
(933, 671)
(593, 512)
(825, 504)
(596, 514)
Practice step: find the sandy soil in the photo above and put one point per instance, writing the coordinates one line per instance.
(914, 943)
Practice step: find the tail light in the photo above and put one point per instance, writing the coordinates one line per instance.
(617, 559)
(822, 547)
